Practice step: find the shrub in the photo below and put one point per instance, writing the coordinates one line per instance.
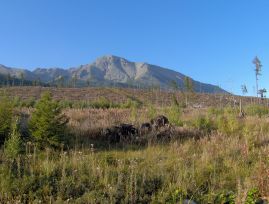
(229, 124)
(216, 111)
(252, 196)
(6, 111)
(174, 114)
(204, 123)
(151, 111)
(257, 110)
(13, 146)
(30, 102)
(47, 124)
(176, 196)
(66, 104)
(102, 102)
(131, 104)
(228, 197)
(19, 102)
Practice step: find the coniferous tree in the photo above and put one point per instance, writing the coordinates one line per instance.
(48, 123)
(13, 145)
(188, 88)
(88, 82)
(8, 79)
(74, 80)
(22, 78)
(6, 111)
(174, 85)
(188, 84)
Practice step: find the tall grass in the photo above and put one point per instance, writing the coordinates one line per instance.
(202, 170)
(214, 157)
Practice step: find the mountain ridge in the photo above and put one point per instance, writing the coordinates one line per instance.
(108, 70)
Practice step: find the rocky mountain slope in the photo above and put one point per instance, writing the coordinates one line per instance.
(110, 70)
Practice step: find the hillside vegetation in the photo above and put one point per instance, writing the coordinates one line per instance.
(144, 97)
(61, 151)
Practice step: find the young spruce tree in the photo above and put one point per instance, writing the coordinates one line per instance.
(13, 145)
(48, 124)
(6, 113)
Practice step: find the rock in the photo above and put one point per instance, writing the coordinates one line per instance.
(116, 134)
(186, 201)
(127, 129)
(112, 134)
(159, 121)
(163, 135)
(262, 201)
(242, 114)
(145, 128)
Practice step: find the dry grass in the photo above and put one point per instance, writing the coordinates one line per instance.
(212, 157)
(120, 95)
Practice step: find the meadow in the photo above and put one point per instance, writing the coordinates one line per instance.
(209, 154)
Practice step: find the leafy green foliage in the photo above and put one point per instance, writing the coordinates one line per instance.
(225, 198)
(253, 196)
(176, 196)
(48, 124)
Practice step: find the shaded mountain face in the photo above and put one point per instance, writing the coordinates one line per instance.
(17, 73)
(110, 70)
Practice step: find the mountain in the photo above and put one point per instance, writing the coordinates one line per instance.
(111, 70)
(9, 76)
(15, 72)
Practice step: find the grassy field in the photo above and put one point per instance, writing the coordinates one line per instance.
(209, 154)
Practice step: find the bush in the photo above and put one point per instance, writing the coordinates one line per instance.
(13, 146)
(176, 196)
(66, 104)
(151, 111)
(131, 104)
(216, 111)
(102, 102)
(228, 197)
(257, 110)
(174, 115)
(229, 124)
(204, 124)
(30, 102)
(253, 196)
(6, 111)
(48, 124)
(19, 102)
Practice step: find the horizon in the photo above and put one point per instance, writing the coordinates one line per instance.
(211, 42)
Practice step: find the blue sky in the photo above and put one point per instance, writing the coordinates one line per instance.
(213, 41)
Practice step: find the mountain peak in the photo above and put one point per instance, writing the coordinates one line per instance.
(110, 69)
(109, 57)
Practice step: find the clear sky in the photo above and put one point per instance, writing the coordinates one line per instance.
(213, 41)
